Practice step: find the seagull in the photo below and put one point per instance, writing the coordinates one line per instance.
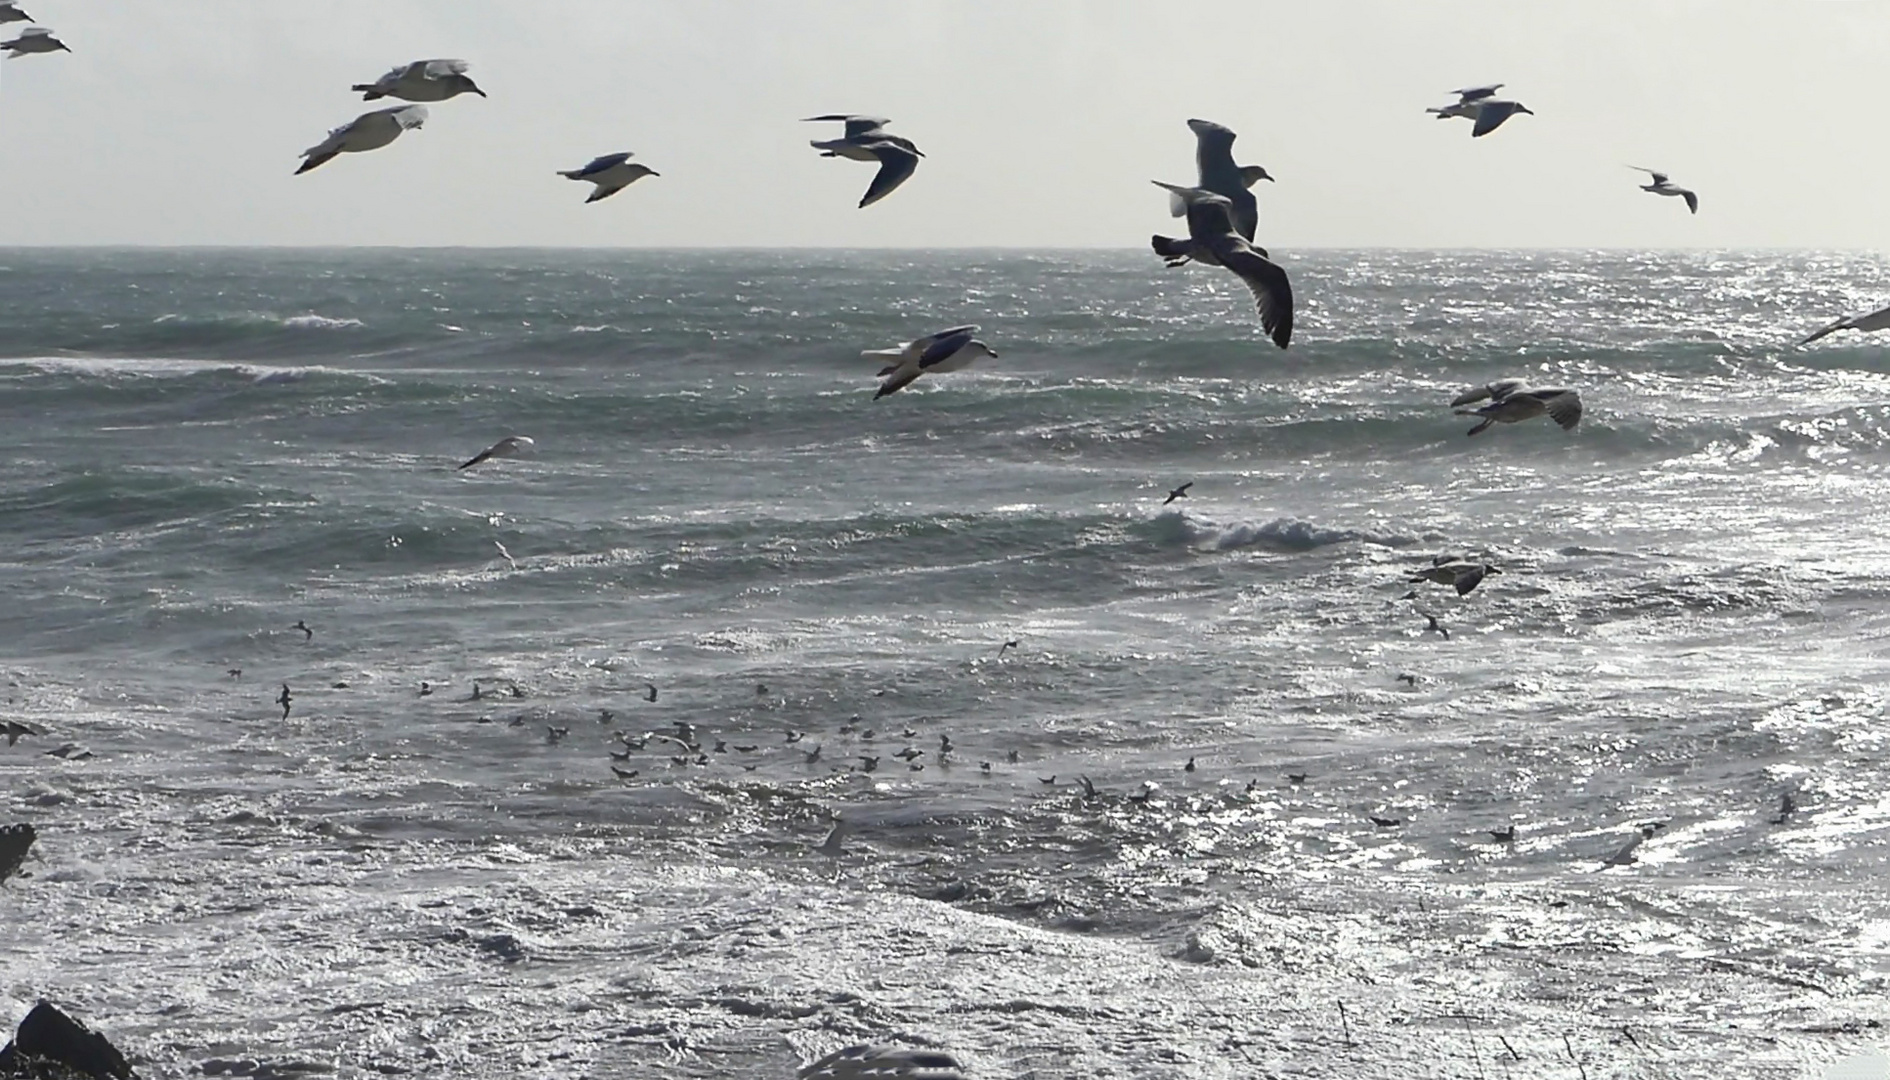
(35, 40)
(509, 560)
(369, 131)
(10, 12)
(611, 173)
(422, 80)
(1386, 822)
(302, 625)
(1214, 158)
(1436, 627)
(283, 699)
(1491, 113)
(947, 350)
(1876, 320)
(1467, 101)
(1513, 401)
(1011, 644)
(1663, 186)
(1179, 493)
(1504, 835)
(506, 447)
(867, 140)
(831, 847)
(1213, 239)
(651, 688)
(883, 1063)
(1460, 574)
(13, 729)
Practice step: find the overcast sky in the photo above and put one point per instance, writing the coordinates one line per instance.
(182, 122)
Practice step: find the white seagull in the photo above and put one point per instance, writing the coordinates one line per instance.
(507, 447)
(35, 40)
(611, 173)
(1664, 186)
(1876, 320)
(883, 1063)
(947, 350)
(1212, 239)
(1513, 401)
(369, 131)
(1214, 161)
(10, 12)
(1466, 103)
(1491, 112)
(422, 80)
(867, 139)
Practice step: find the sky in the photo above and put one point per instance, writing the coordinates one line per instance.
(1043, 121)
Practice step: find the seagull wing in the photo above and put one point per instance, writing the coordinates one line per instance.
(407, 116)
(484, 455)
(1565, 407)
(1830, 328)
(1476, 93)
(35, 32)
(1272, 292)
(942, 345)
(1658, 177)
(900, 378)
(438, 69)
(883, 1063)
(1693, 201)
(598, 165)
(896, 165)
(1470, 579)
(1491, 116)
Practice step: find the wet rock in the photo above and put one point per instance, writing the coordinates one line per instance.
(15, 842)
(53, 1046)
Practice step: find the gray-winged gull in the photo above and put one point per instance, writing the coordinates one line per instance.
(947, 350)
(1466, 103)
(10, 12)
(883, 1063)
(867, 139)
(369, 131)
(1512, 401)
(422, 80)
(611, 173)
(1462, 575)
(35, 40)
(509, 446)
(1214, 161)
(1491, 113)
(1875, 320)
(1664, 186)
(1212, 239)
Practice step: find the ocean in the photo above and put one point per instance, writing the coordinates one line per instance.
(1674, 690)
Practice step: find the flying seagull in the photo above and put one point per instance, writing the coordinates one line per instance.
(1876, 320)
(1179, 493)
(947, 350)
(1460, 574)
(883, 1063)
(1466, 103)
(867, 140)
(1213, 239)
(10, 12)
(506, 447)
(38, 39)
(369, 131)
(1664, 186)
(1513, 401)
(611, 173)
(422, 80)
(1491, 112)
(1214, 158)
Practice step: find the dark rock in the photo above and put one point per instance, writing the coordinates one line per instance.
(53, 1046)
(15, 842)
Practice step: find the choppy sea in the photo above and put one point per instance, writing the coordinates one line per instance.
(1689, 639)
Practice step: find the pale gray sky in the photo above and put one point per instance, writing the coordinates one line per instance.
(181, 122)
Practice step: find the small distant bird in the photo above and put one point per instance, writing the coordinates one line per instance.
(1491, 113)
(910, 733)
(235, 673)
(1386, 822)
(426, 689)
(1460, 574)
(909, 753)
(944, 744)
(422, 80)
(555, 734)
(369, 131)
(883, 1063)
(868, 764)
(302, 625)
(1089, 790)
(610, 173)
(650, 689)
(1046, 779)
(1787, 806)
(813, 755)
(746, 749)
(36, 40)
(1013, 756)
(1875, 320)
(1012, 644)
(947, 350)
(1434, 627)
(761, 689)
(515, 690)
(506, 555)
(721, 746)
(1179, 493)
(623, 774)
(1513, 401)
(984, 766)
(1664, 186)
(685, 730)
(1407, 678)
(1216, 172)
(1213, 239)
(10, 12)
(1504, 835)
(869, 735)
(916, 766)
(604, 716)
(796, 736)
(1189, 767)
(71, 752)
(507, 447)
(831, 847)
(1296, 778)
(1467, 102)
(283, 699)
(867, 139)
(1624, 855)
(13, 729)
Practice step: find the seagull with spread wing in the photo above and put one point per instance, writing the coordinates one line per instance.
(369, 131)
(1664, 186)
(509, 446)
(947, 350)
(10, 12)
(1875, 320)
(1490, 114)
(1214, 161)
(1467, 102)
(866, 139)
(36, 39)
(1213, 239)
(611, 173)
(1511, 401)
(422, 80)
